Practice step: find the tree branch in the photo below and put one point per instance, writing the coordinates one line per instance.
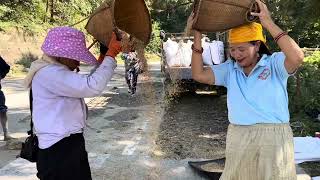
(174, 7)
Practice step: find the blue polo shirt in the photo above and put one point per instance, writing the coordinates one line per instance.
(260, 97)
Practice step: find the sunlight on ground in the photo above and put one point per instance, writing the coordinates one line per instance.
(19, 135)
(158, 153)
(207, 92)
(209, 136)
(126, 142)
(149, 163)
(179, 170)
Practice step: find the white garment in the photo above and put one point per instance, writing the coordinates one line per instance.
(171, 49)
(206, 55)
(217, 52)
(58, 106)
(183, 56)
(189, 52)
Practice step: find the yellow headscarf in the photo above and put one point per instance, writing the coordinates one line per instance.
(247, 33)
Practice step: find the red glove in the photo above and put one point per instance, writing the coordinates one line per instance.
(114, 46)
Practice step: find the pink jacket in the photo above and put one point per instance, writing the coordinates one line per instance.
(58, 105)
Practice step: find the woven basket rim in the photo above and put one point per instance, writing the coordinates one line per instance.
(231, 3)
(147, 14)
(229, 16)
(105, 5)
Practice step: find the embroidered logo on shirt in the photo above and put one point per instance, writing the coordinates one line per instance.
(265, 74)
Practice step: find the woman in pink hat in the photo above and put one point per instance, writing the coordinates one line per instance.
(59, 110)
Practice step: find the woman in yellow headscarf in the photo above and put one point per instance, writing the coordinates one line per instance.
(259, 140)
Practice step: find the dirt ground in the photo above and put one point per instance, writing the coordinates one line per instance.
(191, 126)
(194, 126)
(312, 168)
(178, 129)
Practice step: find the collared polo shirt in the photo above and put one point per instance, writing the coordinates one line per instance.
(260, 97)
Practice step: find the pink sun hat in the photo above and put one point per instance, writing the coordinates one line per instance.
(69, 43)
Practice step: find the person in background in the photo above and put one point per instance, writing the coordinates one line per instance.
(59, 110)
(4, 69)
(259, 141)
(132, 70)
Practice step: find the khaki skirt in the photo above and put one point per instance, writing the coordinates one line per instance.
(259, 152)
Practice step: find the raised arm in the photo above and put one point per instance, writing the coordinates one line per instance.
(199, 73)
(294, 54)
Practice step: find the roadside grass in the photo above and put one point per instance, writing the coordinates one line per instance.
(27, 59)
(17, 71)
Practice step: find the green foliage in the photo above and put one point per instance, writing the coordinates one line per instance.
(303, 125)
(301, 18)
(27, 59)
(68, 13)
(33, 15)
(4, 10)
(304, 96)
(310, 85)
(310, 73)
(155, 43)
(172, 14)
(314, 59)
(21, 12)
(303, 90)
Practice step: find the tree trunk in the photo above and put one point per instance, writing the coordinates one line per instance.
(51, 10)
(47, 8)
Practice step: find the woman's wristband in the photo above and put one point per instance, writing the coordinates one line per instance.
(280, 35)
(200, 51)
